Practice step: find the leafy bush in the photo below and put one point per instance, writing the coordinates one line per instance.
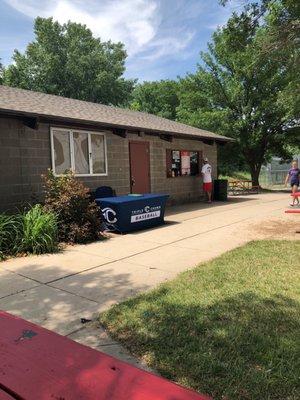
(40, 231)
(79, 219)
(10, 234)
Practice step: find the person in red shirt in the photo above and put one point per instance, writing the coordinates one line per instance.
(207, 180)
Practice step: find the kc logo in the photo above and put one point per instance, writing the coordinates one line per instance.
(147, 209)
(109, 215)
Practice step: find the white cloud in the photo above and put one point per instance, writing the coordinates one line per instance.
(168, 46)
(136, 23)
(222, 14)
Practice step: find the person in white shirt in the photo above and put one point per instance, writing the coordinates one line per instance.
(207, 181)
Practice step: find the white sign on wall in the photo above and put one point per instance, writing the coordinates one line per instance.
(185, 163)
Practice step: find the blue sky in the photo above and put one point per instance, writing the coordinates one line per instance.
(163, 38)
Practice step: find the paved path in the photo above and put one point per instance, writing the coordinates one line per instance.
(56, 291)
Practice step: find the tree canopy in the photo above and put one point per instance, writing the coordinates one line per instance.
(238, 90)
(247, 85)
(283, 36)
(1, 72)
(159, 98)
(67, 60)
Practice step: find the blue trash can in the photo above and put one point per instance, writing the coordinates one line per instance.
(130, 213)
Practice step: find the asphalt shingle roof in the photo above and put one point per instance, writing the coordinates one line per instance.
(30, 103)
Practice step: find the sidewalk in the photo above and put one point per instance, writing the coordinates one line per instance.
(57, 290)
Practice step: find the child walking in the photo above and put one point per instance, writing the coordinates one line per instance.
(294, 177)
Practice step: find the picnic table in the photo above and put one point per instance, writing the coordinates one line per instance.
(37, 364)
(237, 187)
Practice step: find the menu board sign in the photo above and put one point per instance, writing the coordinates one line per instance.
(185, 163)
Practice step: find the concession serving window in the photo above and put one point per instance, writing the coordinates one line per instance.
(183, 162)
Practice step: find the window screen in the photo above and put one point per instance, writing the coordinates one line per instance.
(194, 162)
(98, 154)
(61, 151)
(81, 153)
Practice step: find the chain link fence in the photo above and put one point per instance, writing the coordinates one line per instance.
(274, 173)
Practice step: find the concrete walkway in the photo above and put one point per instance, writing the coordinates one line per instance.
(56, 291)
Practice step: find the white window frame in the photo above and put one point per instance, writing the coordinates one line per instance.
(72, 158)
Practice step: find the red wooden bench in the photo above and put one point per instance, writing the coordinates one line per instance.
(294, 210)
(5, 396)
(37, 364)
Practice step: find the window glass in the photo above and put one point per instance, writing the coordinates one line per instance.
(182, 163)
(176, 163)
(81, 153)
(98, 154)
(194, 162)
(85, 155)
(62, 156)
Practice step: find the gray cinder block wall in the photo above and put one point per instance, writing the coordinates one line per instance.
(25, 155)
(183, 188)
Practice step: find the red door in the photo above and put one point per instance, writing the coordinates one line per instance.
(139, 167)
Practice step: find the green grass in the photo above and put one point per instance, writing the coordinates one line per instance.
(237, 175)
(229, 328)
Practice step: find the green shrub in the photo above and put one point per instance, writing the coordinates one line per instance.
(40, 231)
(79, 219)
(10, 234)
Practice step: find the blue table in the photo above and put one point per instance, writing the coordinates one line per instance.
(133, 212)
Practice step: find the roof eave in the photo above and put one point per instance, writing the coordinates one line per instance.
(107, 125)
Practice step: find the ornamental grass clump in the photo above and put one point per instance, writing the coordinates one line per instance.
(79, 218)
(40, 231)
(33, 231)
(10, 234)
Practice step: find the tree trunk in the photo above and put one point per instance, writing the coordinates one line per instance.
(255, 171)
